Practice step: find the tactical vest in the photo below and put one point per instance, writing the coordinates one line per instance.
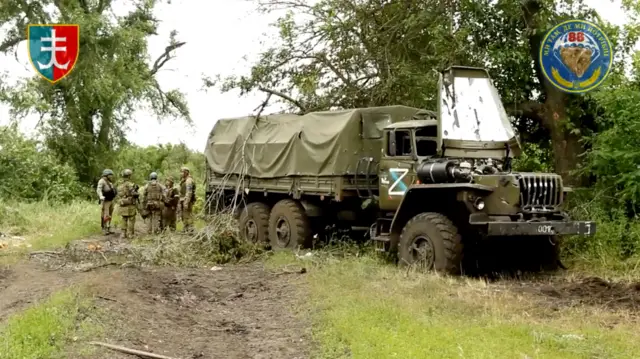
(127, 194)
(108, 191)
(154, 191)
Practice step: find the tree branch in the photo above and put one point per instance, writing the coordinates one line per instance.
(165, 57)
(530, 9)
(9, 43)
(533, 110)
(102, 5)
(286, 97)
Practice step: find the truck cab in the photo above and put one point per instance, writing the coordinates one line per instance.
(446, 183)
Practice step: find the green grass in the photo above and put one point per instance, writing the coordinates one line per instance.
(362, 308)
(49, 225)
(48, 329)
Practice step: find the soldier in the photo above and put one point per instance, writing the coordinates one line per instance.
(128, 192)
(106, 192)
(187, 199)
(153, 200)
(172, 196)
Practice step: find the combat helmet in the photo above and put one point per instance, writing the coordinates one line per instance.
(153, 176)
(127, 173)
(107, 172)
(184, 169)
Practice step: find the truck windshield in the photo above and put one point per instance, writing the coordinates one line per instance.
(471, 110)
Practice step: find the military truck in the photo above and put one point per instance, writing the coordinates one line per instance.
(426, 186)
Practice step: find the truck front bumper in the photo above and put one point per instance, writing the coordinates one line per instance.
(550, 228)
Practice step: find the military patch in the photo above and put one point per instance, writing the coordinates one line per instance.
(53, 49)
(576, 56)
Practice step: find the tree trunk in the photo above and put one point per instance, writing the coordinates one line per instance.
(566, 146)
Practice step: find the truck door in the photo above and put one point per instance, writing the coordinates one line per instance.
(396, 168)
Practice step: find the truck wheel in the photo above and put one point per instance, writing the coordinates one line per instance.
(431, 241)
(289, 225)
(254, 223)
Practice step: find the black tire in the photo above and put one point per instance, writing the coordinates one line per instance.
(431, 241)
(289, 225)
(546, 255)
(254, 223)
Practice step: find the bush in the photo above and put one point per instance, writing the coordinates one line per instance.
(49, 224)
(29, 172)
(165, 160)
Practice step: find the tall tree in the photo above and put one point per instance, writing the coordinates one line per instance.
(84, 117)
(357, 53)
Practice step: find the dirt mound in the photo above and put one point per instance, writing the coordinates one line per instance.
(593, 291)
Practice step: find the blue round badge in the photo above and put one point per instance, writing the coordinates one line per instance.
(576, 56)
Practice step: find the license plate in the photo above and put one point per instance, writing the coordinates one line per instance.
(546, 229)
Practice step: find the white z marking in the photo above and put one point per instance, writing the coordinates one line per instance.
(398, 174)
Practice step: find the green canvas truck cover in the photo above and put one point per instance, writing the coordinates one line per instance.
(328, 143)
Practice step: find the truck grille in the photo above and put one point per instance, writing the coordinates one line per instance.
(540, 192)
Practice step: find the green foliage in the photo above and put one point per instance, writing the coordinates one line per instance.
(615, 154)
(534, 158)
(48, 224)
(30, 172)
(45, 329)
(85, 115)
(165, 160)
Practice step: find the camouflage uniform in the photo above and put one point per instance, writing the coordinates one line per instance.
(153, 200)
(127, 208)
(172, 197)
(187, 199)
(106, 192)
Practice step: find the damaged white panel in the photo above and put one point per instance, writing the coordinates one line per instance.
(471, 110)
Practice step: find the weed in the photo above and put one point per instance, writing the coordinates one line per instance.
(46, 329)
(49, 224)
(364, 308)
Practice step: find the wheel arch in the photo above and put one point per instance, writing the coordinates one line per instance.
(439, 198)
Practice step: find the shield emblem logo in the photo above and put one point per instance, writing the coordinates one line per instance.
(53, 49)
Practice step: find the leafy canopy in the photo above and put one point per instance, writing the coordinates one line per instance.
(85, 116)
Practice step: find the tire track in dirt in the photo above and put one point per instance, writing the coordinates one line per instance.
(239, 311)
(590, 291)
(236, 312)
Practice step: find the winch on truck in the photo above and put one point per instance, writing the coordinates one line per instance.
(428, 186)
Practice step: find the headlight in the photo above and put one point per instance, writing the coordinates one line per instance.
(479, 204)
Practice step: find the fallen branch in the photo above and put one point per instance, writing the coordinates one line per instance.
(99, 266)
(106, 298)
(126, 350)
(49, 253)
(302, 270)
(57, 268)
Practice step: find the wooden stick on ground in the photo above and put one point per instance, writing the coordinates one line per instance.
(126, 350)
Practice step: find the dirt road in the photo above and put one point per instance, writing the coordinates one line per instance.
(234, 312)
